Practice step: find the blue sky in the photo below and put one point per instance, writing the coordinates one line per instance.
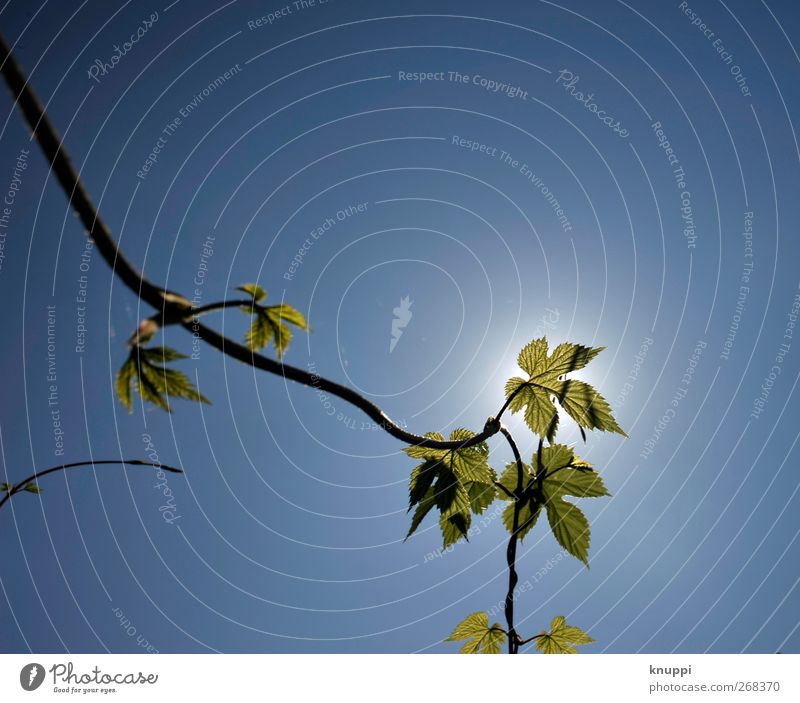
(292, 509)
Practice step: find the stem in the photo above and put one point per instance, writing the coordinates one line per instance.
(172, 306)
(511, 550)
(62, 467)
(530, 639)
(510, 398)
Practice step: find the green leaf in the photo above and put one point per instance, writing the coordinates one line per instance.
(125, 377)
(161, 355)
(569, 525)
(270, 325)
(6, 487)
(286, 313)
(481, 496)
(572, 482)
(530, 505)
(421, 479)
(529, 511)
(32, 487)
(546, 384)
(423, 508)
(568, 357)
(587, 407)
(509, 479)
(568, 474)
(253, 289)
(260, 333)
(459, 482)
(562, 638)
(480, 637)
(144, 370)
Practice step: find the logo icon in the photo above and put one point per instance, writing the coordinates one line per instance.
(31, 676)
(402, 316)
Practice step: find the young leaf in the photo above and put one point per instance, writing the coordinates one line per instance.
(145, 371)
(569, 525)
(459, 482)
(562, 638)
(123, 383)
(545, 383)
(529, 505)
(568, 474)
(529, 511)
(253, 289)
(6, 487)
(480, 637)
(572, 482)
(270, 322)
(32, 487)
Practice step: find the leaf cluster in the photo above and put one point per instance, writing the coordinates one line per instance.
(270, 323)
(561, 473)
(146, 372)
(458, 482)
(547, 384)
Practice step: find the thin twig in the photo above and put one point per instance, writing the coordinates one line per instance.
(62, 467)
(173, 306)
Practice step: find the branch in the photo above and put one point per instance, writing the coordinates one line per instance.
(511, 550)
(530, 639)
(175, 308)
(62, 467)
(510, 398)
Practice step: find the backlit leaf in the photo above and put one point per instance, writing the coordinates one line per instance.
(546, 384)
(459, 482)
(569, 525)
(253, 289)
(562, 638)
(481, 639)
(144, 371)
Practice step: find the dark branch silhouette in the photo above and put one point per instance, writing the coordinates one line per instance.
(22, 485)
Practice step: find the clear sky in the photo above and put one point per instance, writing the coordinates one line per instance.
(615, 174)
